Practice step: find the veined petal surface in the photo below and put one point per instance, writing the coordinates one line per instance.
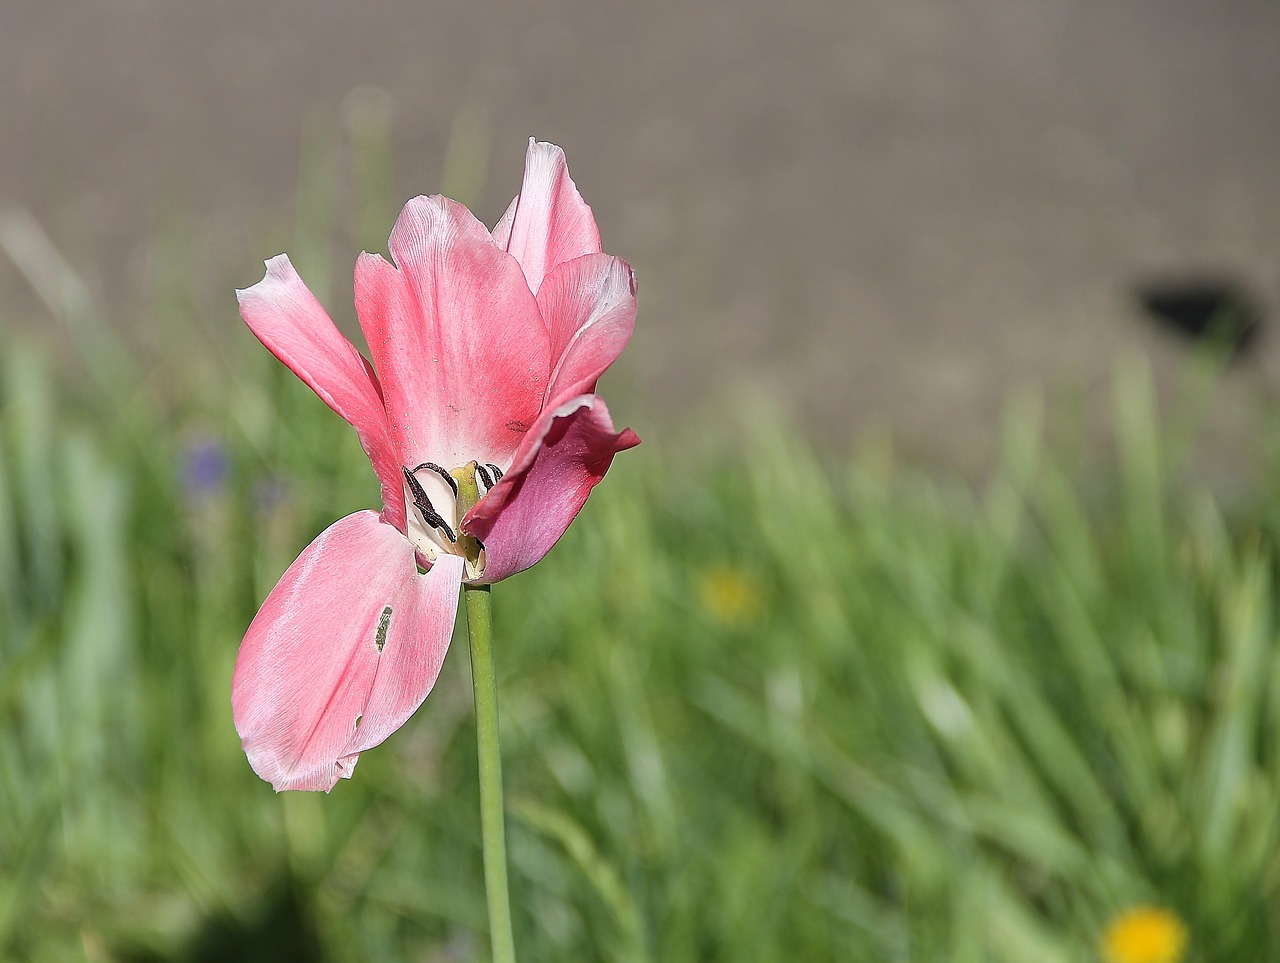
(548, 222)
(558, 464)
(286, 317)
(589, 305)
(456, 336)
(342, 652)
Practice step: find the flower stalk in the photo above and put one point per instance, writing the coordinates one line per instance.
(484, 683)
(492, 828)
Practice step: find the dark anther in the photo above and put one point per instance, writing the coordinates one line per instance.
(449, 479)
(429, 514)
(497, 473)
(484, 476)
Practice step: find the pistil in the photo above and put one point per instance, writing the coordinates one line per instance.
(469, 546)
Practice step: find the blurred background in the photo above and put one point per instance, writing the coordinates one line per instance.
(874, 212)
(935, 614)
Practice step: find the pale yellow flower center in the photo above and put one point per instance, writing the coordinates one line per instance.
(434, 514)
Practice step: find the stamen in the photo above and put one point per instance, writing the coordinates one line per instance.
(497, 473)
(449, 479)
(484, 476)
(380, 639)
(420, 499)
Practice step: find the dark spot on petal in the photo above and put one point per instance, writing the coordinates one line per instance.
(518, 426)
(384, 623)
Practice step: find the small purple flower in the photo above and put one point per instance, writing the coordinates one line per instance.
(204, 468)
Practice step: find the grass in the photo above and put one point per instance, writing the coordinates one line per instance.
(762, 702)
(758, 705)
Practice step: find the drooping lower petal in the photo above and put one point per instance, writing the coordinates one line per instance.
(548, 222)
(558, 464)
(286, 317)
(456, 335)
(589, 305)
(342, 652)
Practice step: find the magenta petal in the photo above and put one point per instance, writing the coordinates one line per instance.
(589, 305)
(456, 335)
(558, 464)
(342, 652)
(548, 222)
(287, 318)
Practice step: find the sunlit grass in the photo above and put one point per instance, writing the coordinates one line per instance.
(760, 704)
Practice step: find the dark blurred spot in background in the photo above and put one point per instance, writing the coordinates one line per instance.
(279, 929)
(1203, 310)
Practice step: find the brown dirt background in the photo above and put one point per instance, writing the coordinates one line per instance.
(872, 212)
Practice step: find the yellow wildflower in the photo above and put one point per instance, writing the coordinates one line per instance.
(1144, 934)
(728, 595)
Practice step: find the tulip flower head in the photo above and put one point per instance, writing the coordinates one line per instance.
(480, 417)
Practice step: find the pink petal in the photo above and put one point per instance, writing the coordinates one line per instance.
(589, 305)
(456, 335)
(558, 464)
(313, 687)
(287, 318)
(548, 222)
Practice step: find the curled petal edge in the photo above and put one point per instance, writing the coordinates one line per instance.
(558, 463)
(589, 306)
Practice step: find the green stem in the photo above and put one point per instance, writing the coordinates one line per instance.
(484, 682)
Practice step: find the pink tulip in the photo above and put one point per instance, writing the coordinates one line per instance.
(487, 348)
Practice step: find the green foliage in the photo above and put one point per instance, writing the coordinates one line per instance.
(757, 705)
